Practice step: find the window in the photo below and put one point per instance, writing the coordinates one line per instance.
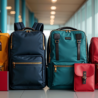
(89, 20)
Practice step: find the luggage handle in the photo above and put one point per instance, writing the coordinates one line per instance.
(67, 28)
(28, 28)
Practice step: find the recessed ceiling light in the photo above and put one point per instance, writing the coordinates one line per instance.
(52, 17)
(8, 7)
(12, 12)
(51, 23)
(54, 1)
(53, 7)
(20, 20)
(51, 20)
(53, 12)
(19, 16)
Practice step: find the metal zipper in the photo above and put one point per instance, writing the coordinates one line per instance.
(55, 66)
(14, 63)
(69, 32)
(43, 42)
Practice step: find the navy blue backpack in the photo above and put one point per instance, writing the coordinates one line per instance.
(27, 57)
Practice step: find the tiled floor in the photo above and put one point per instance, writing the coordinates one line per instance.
(46, 93)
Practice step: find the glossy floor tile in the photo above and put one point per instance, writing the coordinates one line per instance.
(46, 93)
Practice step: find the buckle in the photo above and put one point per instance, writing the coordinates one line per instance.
(78, 41)
(84, 77)
(56, 41)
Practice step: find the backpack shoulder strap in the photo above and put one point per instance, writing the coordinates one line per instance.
(38, 26)
(35, 25)
(18, 26)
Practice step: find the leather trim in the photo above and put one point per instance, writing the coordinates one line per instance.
(84, 77)
(57, 37)
(78, 38)
(57, 49)
(78, 49)
(68, 38)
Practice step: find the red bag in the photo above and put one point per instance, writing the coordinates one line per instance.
(4, 78)
(84, 77)
(93, 56)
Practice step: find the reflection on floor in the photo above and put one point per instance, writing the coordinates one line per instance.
(46, 93)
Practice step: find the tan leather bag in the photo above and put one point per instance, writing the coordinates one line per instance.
(4, 40)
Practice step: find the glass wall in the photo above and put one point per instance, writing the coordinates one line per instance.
(83, 16)
(11, 17)
(96, 17)
(27, 17)
(85, 19)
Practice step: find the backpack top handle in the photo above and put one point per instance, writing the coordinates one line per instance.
(67, 28)
(28, 28)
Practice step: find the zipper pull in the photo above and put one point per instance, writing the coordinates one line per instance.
(13, 64)
(69, 31)
(44, 47)
(66, 31)
(55, 68)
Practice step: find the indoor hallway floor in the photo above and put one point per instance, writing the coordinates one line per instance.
(46, 93)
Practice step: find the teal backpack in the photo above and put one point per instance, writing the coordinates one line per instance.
(66, 46)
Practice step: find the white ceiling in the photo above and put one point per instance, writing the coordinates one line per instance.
(42, 8)
(65, 9)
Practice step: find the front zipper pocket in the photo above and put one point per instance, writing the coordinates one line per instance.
(63, 74)
(24, 63)
(27, 70)
(56, 66)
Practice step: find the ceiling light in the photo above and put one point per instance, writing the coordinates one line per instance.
(54, 1)
(53, 7)
(8, 7)
(12, 12)
(52, 17)
(20, 20)
(53, 12)
(51, 23)
(19, 16)
(52, 20)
